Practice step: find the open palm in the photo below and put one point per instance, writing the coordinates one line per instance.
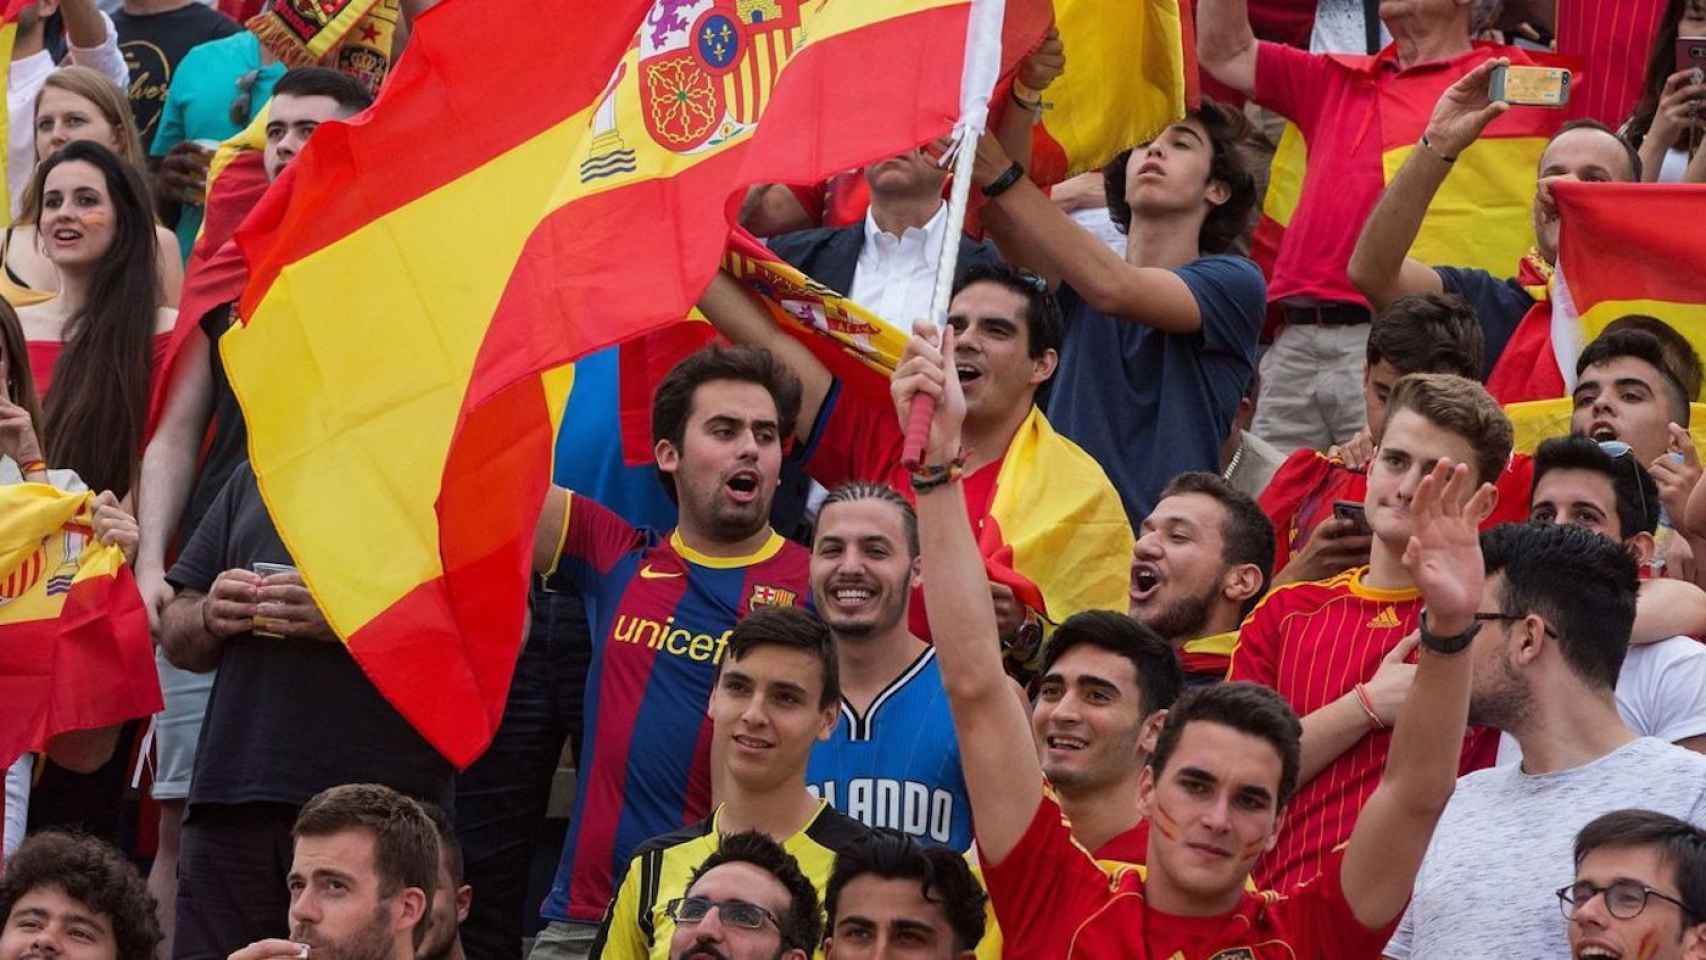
(1444, 552)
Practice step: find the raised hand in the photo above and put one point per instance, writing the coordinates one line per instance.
(928, 370)
(1045, 64)
(1444, 552)
(1465, 109)
(1676, 472)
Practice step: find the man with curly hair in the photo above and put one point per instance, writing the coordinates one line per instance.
(77, 898)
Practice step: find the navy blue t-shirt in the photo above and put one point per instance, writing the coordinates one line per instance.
(1150, 405)
(1499, 304)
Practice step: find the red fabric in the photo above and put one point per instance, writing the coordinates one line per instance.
(1053, 900)
(1130, 847)
(1528, 367)
(91, 667)
(1350, 110)
(1613, 38)
(642, 364)
(1313, 642)
(44, 356)
(857, 440)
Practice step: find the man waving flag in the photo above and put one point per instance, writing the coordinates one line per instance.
(420, 276)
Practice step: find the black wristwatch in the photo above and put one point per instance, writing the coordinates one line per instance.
(1447, 645)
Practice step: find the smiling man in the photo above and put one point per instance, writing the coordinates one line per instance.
(1640, 889)
(1202, 560)
(664, 605)
(893, 760)
(776, 696)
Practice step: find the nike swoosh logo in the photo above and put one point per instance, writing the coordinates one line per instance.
(647, 573)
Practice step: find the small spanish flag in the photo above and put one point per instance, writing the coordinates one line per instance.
(74, 647)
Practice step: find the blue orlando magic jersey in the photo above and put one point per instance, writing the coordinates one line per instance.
(898, 765)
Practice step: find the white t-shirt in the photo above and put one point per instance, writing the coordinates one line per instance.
(25, 80)
(1339, 28)
(1661, 692)
(1505, 845)
(15, 804)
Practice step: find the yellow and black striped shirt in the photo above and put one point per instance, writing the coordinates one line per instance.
(637, 926)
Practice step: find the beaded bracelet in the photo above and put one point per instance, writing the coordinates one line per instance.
(928, 478)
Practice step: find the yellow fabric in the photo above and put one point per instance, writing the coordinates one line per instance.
(1481, 215)
(1285, 176)
(1125, 77)
(313, 405)
(46, 545)
(1220, 644)
(1060, 515)
(8, 34)
(252, 137)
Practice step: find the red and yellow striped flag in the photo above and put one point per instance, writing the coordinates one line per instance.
(74, 647)
(418, 273)
(1623, 248)
(1480, 217)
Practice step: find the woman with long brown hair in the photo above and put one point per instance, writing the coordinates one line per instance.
(93, 348)
(1669, 122)
(77, 103)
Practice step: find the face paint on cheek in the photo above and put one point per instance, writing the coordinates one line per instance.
(1648, 947)
(1165, 823)
(97, 218)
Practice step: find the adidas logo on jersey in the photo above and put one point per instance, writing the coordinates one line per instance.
(1386, 619)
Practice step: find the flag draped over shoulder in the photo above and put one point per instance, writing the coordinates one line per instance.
(420, 275)
(1623, 248)
(74, 647)
(1057, 533)
(1481, 215)
(1131, 69)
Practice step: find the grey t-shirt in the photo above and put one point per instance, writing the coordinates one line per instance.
(1505, 844)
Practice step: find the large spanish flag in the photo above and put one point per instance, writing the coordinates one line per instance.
(74, 647)
(1623, 248)
(1057, 533)
(517, 198)
(1479, 217)
(1131, 69)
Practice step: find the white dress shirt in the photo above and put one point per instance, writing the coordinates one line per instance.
(25, 81)
(896, 276)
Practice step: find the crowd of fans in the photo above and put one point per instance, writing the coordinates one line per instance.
(1383, 685)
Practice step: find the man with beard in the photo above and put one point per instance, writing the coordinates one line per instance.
(664, 605)
(893, 760)
(1336, 650)
(451, 898)
(747, 901)
(1555, 617)
(775, 698)
(1202, 560)
(361, 879)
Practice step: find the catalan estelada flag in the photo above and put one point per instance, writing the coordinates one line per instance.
(74, 647)
(1057, 533)
(1480, 216)
(517, 198)
(1131, 69)
(1623, 248)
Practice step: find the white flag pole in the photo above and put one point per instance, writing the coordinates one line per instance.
(977, 81)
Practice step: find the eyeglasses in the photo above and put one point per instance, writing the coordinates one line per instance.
(1512, 617)
(1624, 899)
(737, 913)
(1618, 450)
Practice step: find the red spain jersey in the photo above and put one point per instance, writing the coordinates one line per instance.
(1301, 494)
(660, 615)
(1313, 642)
(1053, 899)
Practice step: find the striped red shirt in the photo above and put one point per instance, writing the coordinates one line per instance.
(1313, 642)
(1613, 38)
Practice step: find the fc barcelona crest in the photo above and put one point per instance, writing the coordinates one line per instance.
(763, 596)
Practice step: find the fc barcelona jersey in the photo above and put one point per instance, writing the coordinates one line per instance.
(898, 764)
(660, 614)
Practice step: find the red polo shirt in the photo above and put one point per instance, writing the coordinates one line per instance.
(1349, 109)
